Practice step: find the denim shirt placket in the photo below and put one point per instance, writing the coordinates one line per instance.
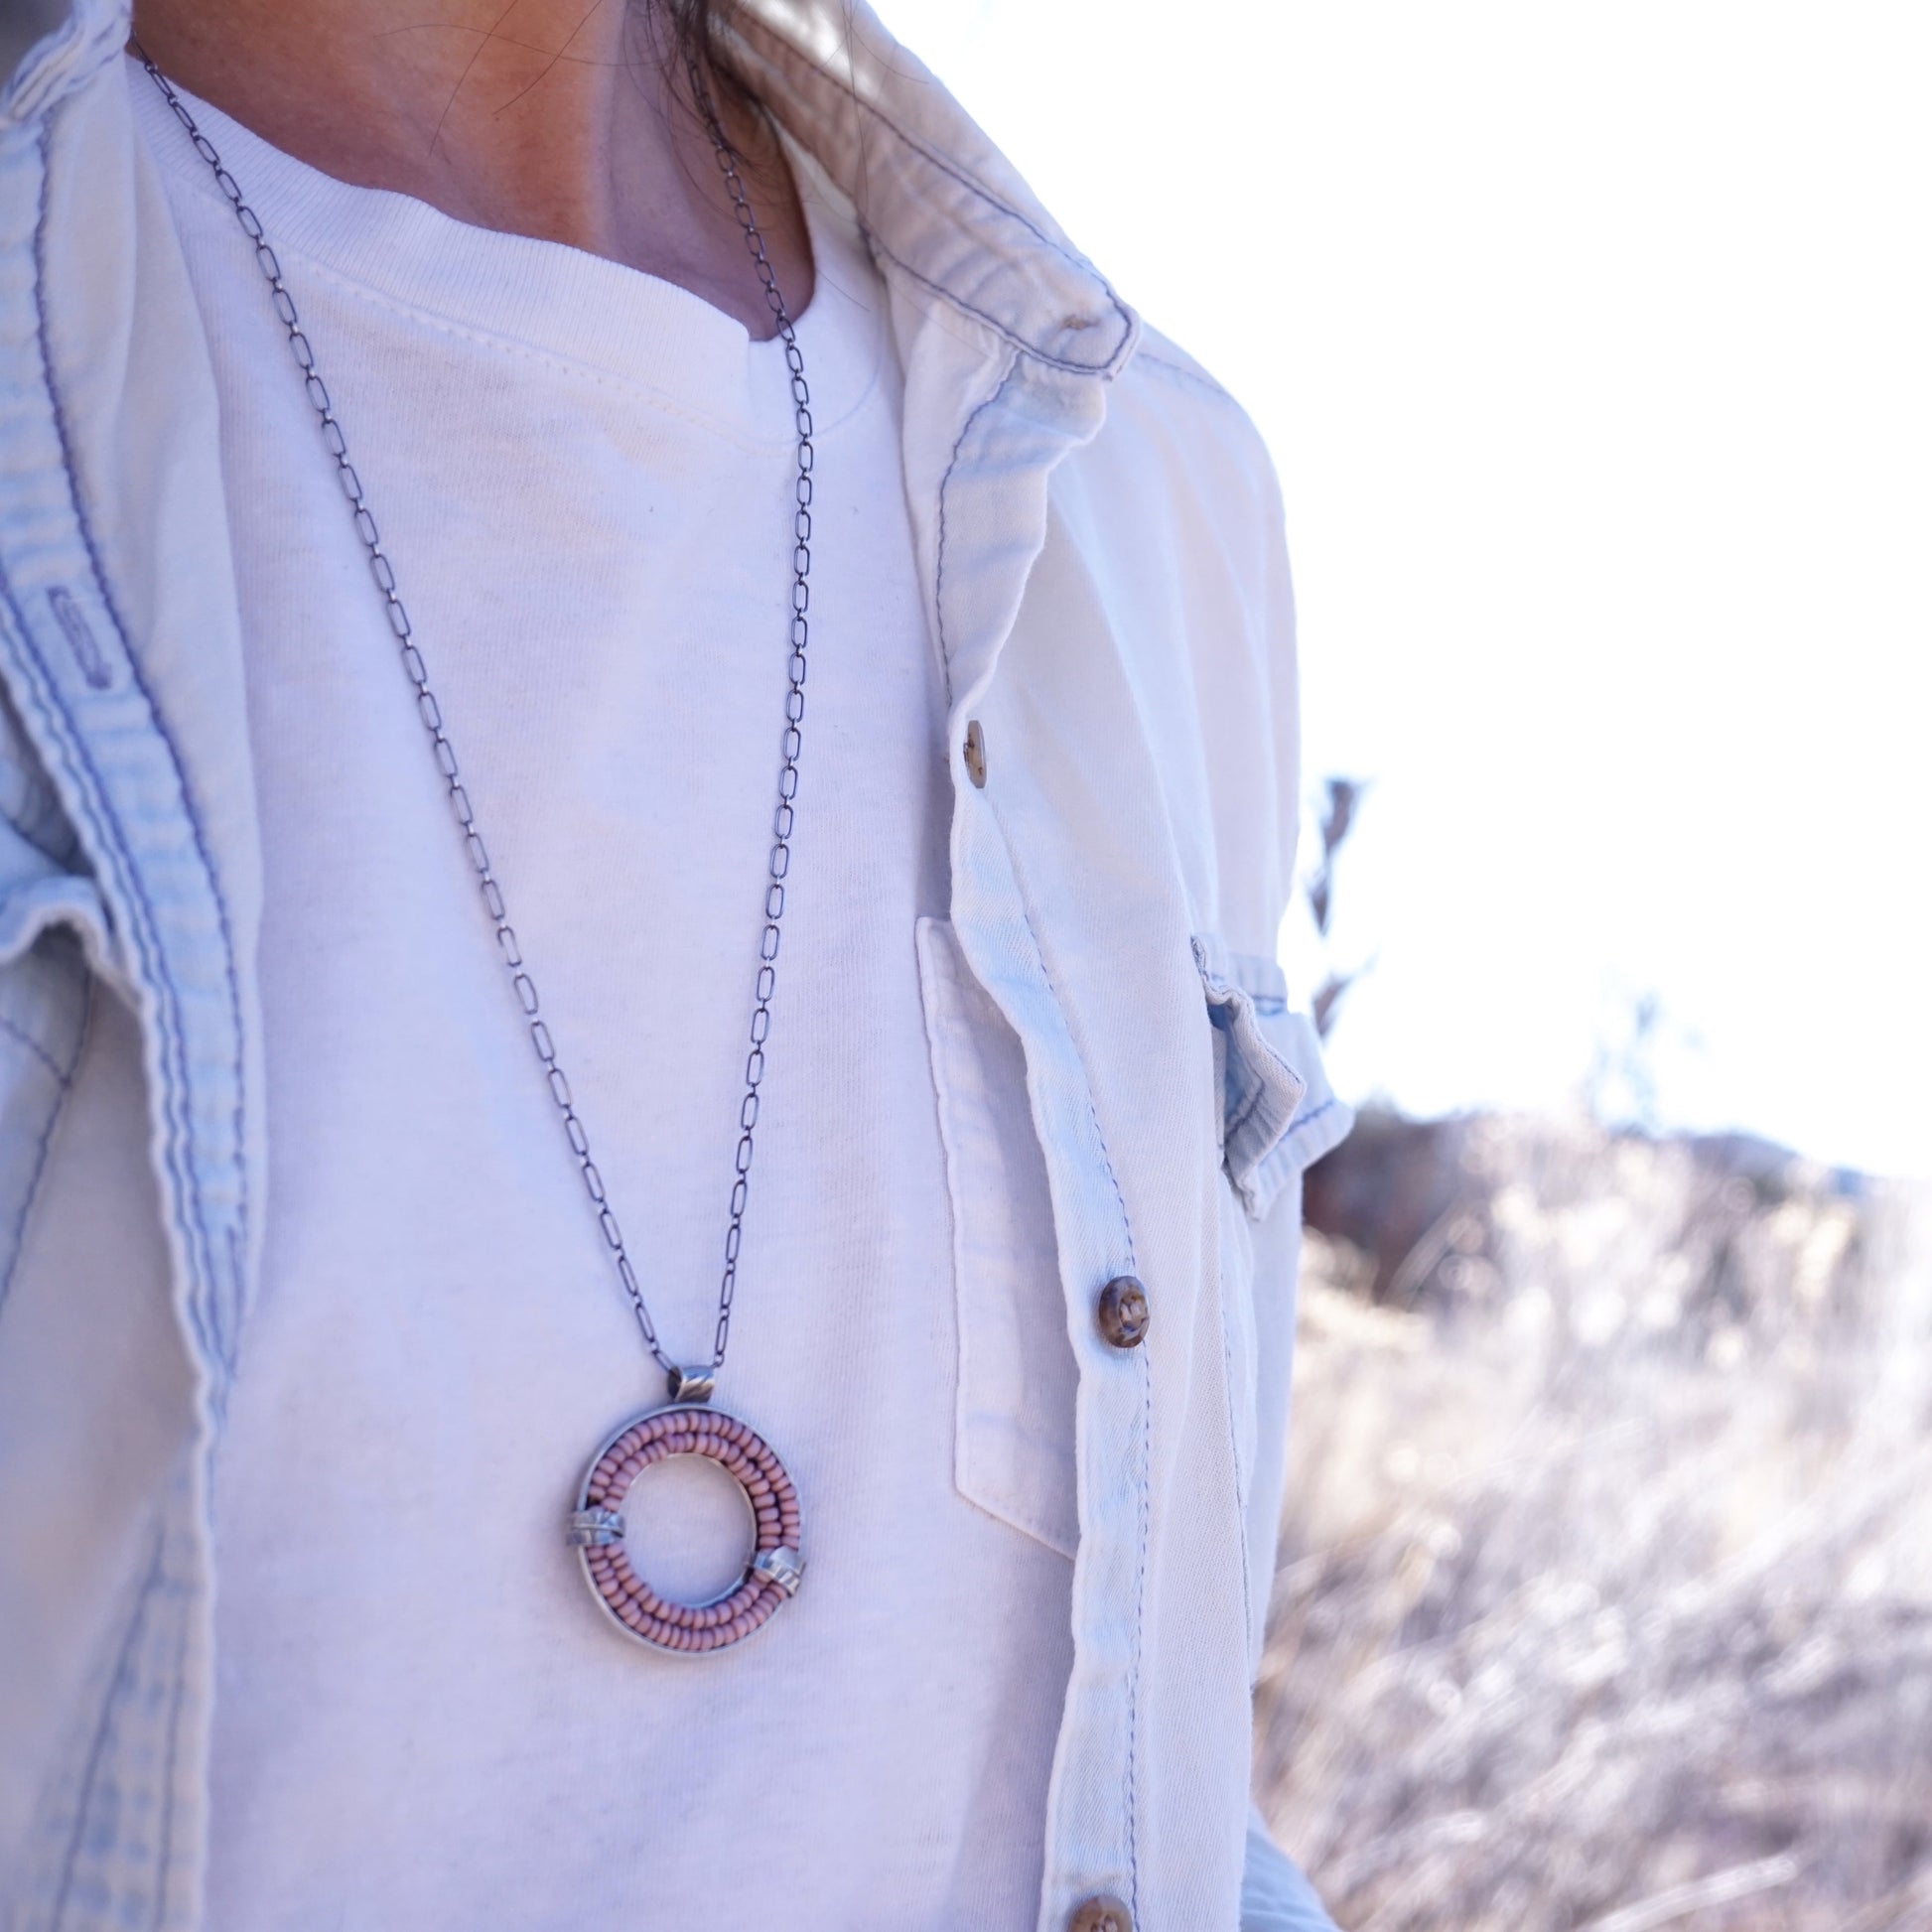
(1011, 418)
(123, 1825)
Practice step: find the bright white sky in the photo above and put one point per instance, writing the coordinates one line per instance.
(1595, 348)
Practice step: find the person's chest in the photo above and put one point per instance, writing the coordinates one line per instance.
(599, 581)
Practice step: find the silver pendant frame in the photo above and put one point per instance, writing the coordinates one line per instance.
(582, 1543)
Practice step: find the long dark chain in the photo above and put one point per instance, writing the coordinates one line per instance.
(683, 1379)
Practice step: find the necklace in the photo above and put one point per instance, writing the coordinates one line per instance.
(684, 1424)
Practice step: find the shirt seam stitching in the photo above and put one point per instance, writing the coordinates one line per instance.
(33, 1046)
(122, 1676)
(63, 1093)
(108, 829)
(954, 171)
(1004, 331)
(1147, 1393)
(939, 557)
(592, 374)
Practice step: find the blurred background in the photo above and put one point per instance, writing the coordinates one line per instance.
(1591, 348)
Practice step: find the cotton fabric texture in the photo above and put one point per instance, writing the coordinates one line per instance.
(1094, 549)
(585, 477)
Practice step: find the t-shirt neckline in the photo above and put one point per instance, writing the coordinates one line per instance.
(546, 296)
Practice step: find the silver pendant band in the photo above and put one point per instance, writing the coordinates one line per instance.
(595, 1528)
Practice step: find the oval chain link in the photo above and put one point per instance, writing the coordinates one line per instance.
(416, 669)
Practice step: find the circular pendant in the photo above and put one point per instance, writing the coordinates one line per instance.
(597, 1530)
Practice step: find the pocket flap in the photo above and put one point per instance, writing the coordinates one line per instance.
(1279, 1112)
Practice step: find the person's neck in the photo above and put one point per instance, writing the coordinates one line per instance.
(536, 117)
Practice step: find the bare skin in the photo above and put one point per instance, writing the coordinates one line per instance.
(552, 118)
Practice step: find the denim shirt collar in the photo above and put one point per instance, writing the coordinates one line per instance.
(938, 202)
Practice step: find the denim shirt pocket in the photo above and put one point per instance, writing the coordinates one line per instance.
(1278, 1113)
(1014, 1433)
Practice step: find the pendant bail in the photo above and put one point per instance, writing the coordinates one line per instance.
(692, 1384)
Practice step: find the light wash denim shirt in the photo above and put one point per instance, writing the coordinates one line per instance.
(1100, 547)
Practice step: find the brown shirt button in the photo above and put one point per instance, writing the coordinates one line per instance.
(975, 753)
(1122, 1312)
(1100, 1914)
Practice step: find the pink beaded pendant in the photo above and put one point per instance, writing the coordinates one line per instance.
(596, 1530)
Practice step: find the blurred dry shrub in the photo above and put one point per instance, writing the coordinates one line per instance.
(1607, 1587)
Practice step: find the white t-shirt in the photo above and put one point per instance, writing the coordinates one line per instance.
(583, 476)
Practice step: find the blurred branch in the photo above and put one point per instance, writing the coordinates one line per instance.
(1344, 797)
(1680, 1901)
(1343, 800)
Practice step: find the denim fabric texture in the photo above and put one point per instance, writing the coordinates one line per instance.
(1099, 541)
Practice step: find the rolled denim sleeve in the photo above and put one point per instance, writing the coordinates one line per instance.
(1275, 1897)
